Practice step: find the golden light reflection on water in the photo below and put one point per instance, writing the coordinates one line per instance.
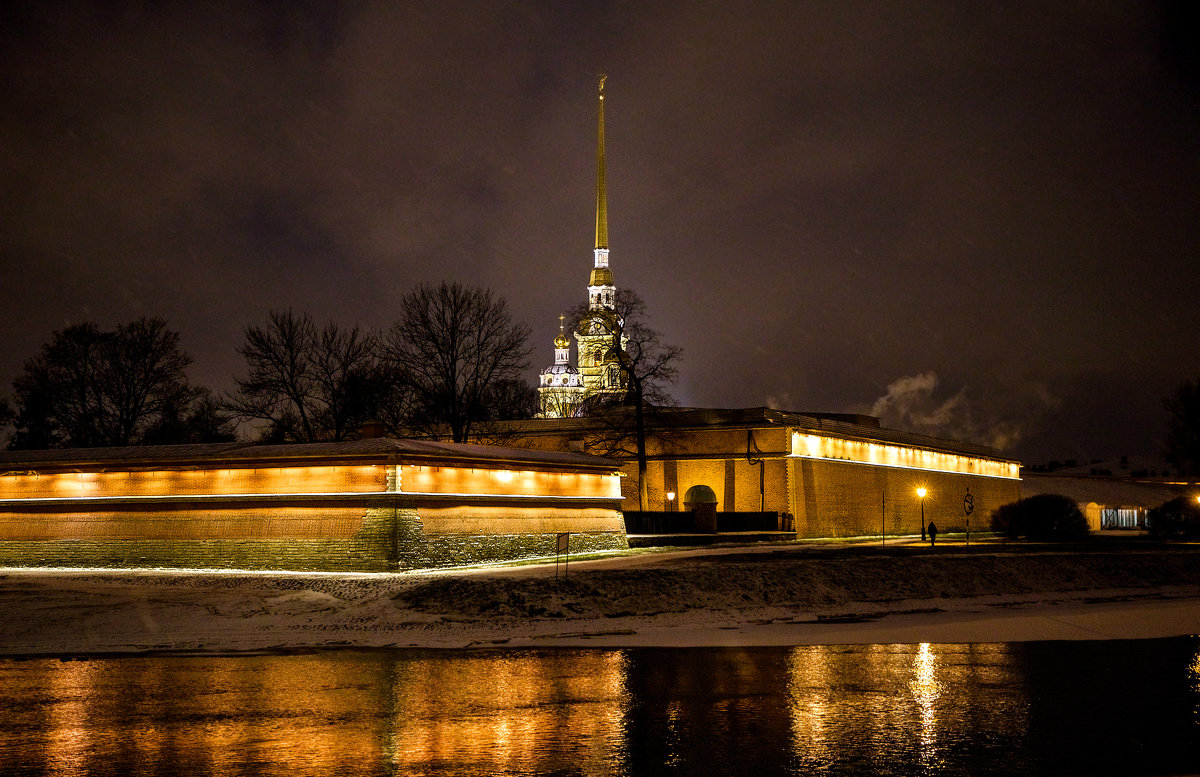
(1194, 678)
(826, 709)
(271, 715)
(835, 688)
(810, 671)
(497, 709)
(925, 690)
(68, 733)
(361, 713)
(676, 722)
(896, 698)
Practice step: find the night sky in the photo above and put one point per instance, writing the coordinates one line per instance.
(977, 220)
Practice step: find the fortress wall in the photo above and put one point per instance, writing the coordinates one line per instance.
(840, 499)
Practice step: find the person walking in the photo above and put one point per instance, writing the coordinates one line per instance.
(932, 534)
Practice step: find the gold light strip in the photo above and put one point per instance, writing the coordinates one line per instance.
(812, 446)
(341, 495)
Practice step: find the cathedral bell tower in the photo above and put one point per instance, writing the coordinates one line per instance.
(601, 291)
(564, 388)
(597, 362)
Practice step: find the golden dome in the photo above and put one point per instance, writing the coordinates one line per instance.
(561, 341)
(601, 276)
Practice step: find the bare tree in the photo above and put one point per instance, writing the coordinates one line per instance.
(560, 402)
(144, 378)
(347, 377)
(308, 384)
(455, 347)
(58, 392)
(90, 388)
(646, 365)
(200, 421)
(511, 400)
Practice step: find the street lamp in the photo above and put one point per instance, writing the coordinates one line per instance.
(921, 496)
(671, 501)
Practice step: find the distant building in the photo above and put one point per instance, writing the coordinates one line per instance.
(367, 505)
(563, 389)
(1108, 501)
(825, 475)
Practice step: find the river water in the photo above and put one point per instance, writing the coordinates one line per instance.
(1115, 707)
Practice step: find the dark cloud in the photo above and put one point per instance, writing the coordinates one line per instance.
(818, 200)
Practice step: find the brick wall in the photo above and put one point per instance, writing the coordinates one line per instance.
(828, 497)
(459, 535)
(840, 499)
(366, 538)
(352, 539)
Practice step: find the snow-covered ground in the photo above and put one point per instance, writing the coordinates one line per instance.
(789, 594)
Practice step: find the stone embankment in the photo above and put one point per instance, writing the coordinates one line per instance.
(826, 580)
(790, 594)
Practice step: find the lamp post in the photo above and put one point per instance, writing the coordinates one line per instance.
(921, 496)
(671, 501)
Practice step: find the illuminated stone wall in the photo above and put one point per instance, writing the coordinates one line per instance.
(496, 481)
(735, 482)
(368, 539)
(326, 538)
(834, 486)
(440, 536)
(372, 517)
(834, 498)
(842, 499)
(463, 549)
(811, 445)
(193, 482)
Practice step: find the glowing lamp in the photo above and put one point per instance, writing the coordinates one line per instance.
(921, 495)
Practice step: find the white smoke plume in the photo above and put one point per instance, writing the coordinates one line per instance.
(779, 401)
(912, 403)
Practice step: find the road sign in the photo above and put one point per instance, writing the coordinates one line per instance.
(968, 508)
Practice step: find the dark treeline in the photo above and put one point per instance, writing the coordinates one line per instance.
(450, 364)
(89, 388)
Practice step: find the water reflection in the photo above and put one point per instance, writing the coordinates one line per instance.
(925, 689)
(68, 733)
(705, 711)
(909, 707)
(1194, 676)
(268, 715)
(1101, 708)
(507, 711)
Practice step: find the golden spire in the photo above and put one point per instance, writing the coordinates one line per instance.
(601, 192)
